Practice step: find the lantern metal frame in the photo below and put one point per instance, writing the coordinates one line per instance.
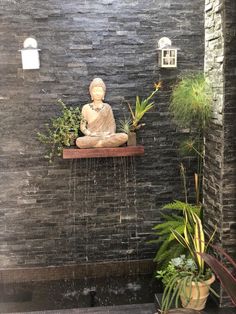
(30, 54)
(167, 54)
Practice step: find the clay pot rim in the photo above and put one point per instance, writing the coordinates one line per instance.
(207, 282)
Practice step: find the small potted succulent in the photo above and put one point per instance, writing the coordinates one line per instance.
(62, 131)
(130, 126)
(187, 279)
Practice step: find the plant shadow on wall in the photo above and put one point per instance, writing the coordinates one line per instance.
(132, 124)
(62, 131)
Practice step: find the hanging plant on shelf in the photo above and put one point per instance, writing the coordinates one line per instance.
(62, 131)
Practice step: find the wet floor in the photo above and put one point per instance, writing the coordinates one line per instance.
(73, 294)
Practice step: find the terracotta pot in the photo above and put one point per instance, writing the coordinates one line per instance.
(197, 296)
(131, 139)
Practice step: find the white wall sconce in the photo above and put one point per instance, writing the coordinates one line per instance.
(30, 54)
(167, 54)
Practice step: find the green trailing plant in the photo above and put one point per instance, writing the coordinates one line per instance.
(191, 108)
(173, 219)
(141, 107)
(62, 131)
(180, 273)
(226, 277)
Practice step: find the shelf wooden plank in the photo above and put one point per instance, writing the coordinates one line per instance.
(73, 153)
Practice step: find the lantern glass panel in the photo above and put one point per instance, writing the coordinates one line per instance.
(30, 59)
(169, 57)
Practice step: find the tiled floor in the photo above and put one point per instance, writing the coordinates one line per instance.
(119, 309)
(132, 309)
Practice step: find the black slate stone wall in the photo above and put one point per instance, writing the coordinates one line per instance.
(220, 162)
(229, 157)
(89, 210)
(229, 176)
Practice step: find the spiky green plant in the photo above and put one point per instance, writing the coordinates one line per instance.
(141, 107)
(191, 101)
(191, 107)
(169, 248)
(125, 125)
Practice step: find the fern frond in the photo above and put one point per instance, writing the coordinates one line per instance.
(166, 226)
(178, 205)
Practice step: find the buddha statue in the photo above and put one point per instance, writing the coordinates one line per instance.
(98, 124)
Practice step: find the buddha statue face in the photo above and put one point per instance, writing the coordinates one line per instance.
(97, 89)
(97, 93)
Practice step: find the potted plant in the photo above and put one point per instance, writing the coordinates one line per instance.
(62, 131)
(130, 126)
(188, 279)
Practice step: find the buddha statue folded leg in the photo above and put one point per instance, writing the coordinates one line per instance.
(86, 141)
(113, 140)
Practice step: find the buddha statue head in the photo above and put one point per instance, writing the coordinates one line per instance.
(97, 89)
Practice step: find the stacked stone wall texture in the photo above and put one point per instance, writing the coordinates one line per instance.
(76, 211)
(220, 161)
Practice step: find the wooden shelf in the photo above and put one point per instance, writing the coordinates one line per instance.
(73, 153)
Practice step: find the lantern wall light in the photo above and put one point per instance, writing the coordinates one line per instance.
(167, 54)
(30, 54)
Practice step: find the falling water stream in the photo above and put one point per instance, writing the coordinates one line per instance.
(101, 224)
(106, 188)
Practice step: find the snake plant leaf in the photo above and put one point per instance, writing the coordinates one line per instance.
(199, 241)
(182, 241)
